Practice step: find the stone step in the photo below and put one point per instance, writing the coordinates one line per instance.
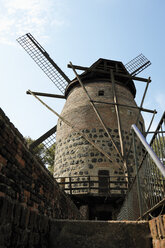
(99, 234)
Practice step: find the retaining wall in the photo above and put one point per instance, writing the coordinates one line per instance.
(28, 192)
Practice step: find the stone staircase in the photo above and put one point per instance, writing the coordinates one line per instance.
(99, 234)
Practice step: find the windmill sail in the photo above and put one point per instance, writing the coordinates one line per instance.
(138, 64)
(43, 60)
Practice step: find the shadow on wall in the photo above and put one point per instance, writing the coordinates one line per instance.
(29, 195)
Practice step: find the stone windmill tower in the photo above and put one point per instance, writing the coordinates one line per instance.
(94, 161)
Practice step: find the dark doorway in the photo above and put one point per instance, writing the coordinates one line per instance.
(100, 211)
(103, 176)
(104, 216)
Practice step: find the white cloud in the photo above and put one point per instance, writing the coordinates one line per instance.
(5, 24)
(18, 17)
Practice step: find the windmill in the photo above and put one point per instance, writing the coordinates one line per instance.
(93, 144)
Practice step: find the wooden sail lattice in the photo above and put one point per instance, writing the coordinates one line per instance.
(43, 60)
(138, 64)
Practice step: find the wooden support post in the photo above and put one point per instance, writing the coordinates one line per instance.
(137, 174)
(70, 185)
(145, 91)
(141, 105)
(151, 122)
(117, 112)
(96, 111)
(73, 127)
(109, 185)
(119, 123)
(89, 184)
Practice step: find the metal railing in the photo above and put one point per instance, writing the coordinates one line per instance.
(148, 189)
(94, 185)
(149, 150)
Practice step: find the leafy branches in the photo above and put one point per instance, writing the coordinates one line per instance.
(43, 153)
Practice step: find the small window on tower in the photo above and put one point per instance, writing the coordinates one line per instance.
(129, 112)
(101, 93)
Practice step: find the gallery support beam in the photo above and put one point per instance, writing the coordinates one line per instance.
(73, 127)
(133, 78)
(77, 67)
(46, 94)
(128, 106)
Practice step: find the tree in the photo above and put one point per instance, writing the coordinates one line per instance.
(49, 157)
(46, 155)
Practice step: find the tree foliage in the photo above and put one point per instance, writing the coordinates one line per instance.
(46, 155)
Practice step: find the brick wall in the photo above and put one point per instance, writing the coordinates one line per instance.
(26, 188)
(20, 227)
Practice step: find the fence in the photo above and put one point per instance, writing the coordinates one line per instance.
(94, 185)
(140, 202)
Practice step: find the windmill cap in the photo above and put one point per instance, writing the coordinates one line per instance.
(100, 71)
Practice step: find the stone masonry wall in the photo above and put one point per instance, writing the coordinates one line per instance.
(28, 192)
(74, 155)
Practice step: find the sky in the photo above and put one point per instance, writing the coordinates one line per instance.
(80, 31)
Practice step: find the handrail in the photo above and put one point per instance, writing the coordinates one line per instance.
(90, 183)
(146, 193)
(104, 176)
(157, 161)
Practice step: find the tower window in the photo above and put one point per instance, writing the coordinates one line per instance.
(129, 112)
(101, 93)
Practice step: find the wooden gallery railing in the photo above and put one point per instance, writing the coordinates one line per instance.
(97, 185)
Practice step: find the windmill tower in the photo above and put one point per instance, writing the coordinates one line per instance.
(94, 160)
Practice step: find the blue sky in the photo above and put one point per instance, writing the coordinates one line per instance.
(80, 31)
